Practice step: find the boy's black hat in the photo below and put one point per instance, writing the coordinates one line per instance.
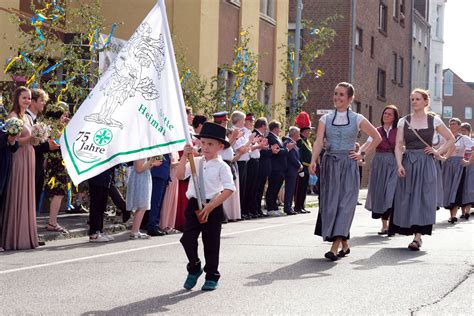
(214, 131)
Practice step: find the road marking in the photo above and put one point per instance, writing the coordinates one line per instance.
(55, 263)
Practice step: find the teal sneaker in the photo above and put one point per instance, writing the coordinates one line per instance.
(191, 280)
(209, 285)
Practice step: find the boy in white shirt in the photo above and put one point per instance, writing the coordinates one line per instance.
(215, 186)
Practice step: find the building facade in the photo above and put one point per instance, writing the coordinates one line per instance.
(420, 60)
(436, 20)
(458, 98)
(371, 50)
(205, 30)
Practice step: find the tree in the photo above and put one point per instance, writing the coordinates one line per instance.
(58, 47)
(321, 37)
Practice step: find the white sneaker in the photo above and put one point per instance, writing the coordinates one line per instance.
(139, 235)
(98, 237)
(274, 213)
(110, 238)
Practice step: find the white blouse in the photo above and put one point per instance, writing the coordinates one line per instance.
(341, 118)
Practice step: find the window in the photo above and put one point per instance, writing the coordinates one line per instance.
(426, 40)
(358, 107)
(358, 38)
(419, 35)
(439, 12)
(447, 111)
(265, 93)
(394, 67)
(436, 80)
(402, 12)
(400, 71)
(395, 9)
(448, 83)
(372, 46)
(383, 17)
(468, 113)
(414, 30)
(381, 78)
(370, 114)
(267, 9)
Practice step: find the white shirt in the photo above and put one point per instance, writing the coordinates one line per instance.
(370, 139)
(33, 115)
(341, 118)
(242, 141)
(217, 177)
(436, 122)
(462, 144)
(227, 154)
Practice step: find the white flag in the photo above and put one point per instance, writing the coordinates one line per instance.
(135, 111)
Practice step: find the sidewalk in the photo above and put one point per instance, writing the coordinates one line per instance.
(77, 225)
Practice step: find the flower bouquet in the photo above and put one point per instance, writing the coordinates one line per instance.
(40, 131)
(13, 126)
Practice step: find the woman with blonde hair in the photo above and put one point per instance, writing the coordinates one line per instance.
(414, 211)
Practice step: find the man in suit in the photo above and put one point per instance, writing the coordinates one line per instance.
(305, 147)
(160, 176)
(264, 165)
(251, 204)
(39, 98)
(294, 166)
(278, 169)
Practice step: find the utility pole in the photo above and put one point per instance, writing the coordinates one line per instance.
(296, 64)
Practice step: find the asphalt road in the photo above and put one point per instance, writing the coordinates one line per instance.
(268, 266)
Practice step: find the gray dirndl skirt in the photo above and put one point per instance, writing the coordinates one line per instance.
(382, 184)
(439, 184)
(452, 176)
(414, 208)
(339, 191)
(468, 190)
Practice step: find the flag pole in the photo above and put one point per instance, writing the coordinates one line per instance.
(179, 90)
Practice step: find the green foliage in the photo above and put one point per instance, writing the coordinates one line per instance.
(66, 37)
(239, 92)
(321, 36)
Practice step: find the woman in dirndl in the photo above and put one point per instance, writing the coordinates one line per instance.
(383, 170)
(339, 171)
(454, 171)
(414, 211)
(468, 191)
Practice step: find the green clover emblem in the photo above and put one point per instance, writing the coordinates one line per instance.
(103, 136)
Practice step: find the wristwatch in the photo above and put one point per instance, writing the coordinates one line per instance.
(362, 153)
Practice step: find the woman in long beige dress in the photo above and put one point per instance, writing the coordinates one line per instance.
(19, 222)
(170, 201)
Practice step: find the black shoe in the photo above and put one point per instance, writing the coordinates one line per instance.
(383, 232)
(331, 256)
(452, 220)
(156, 232)
(359, 203)
(305, 211)
(342, 253)
(253, 215)
(467, 215)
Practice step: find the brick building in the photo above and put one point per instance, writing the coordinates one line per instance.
(458, 98)
(371, 50)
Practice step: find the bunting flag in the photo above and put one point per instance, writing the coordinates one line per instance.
(135, 111)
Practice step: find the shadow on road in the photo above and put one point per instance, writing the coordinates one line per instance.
(308, 268)
(389, 257)
(152, 305)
